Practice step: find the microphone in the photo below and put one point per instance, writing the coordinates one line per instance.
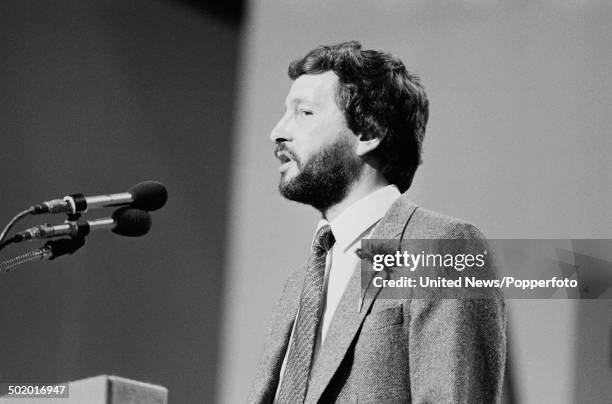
(147, 195)
(126, 221)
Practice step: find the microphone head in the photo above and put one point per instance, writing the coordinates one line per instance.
(131, 222)
(149, 195)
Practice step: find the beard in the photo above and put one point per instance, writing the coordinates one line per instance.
(325, 178)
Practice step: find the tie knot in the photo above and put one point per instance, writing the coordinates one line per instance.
(324, 239)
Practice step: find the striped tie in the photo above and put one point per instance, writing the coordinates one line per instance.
(295, 379)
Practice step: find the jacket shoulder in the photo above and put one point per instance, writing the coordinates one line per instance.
(426, 223)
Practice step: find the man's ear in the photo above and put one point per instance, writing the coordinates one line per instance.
(364, 146)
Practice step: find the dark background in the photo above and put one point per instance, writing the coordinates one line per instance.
(96, 96)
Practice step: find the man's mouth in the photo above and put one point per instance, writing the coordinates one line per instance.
(285, 159)
(286, 163)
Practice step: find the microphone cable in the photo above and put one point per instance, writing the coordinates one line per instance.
(10, 224)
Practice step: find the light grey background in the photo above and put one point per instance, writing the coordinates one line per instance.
(518, 142)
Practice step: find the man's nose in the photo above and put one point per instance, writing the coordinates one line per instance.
(280, 132)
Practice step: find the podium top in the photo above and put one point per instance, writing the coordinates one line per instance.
(103, 389)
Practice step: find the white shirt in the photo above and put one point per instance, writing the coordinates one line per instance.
(352, 225)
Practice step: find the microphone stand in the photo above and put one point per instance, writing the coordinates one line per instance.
(51, 250)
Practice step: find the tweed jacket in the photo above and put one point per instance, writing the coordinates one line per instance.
(426, 350)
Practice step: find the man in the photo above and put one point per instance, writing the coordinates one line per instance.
(349, 144)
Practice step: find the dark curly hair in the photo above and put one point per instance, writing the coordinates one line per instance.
(380, 98)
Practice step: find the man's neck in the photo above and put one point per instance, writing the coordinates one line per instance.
(360, 189)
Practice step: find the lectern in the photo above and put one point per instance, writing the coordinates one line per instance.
(101, 390)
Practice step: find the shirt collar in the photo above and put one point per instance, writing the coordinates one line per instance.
(361, 216)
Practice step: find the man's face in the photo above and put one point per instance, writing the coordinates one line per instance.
(314, 144)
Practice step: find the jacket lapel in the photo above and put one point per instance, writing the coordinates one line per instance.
(351, 311)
